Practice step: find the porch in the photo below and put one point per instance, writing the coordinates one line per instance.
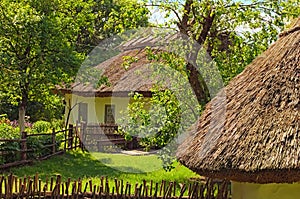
(104, 138)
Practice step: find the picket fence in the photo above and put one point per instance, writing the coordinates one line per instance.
(12, 187)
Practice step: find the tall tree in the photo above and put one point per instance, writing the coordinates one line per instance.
(232, 32)
(42, 43)
(35, 52)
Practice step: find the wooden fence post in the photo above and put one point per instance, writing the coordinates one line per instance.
(82, 132)
(24, 146)
(75, 134)
(70, 137)
(53, 141)
(65, 144)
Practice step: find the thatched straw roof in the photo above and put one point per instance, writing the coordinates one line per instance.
(121, 79)
(254, 136)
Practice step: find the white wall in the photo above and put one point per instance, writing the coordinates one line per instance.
(96, 107)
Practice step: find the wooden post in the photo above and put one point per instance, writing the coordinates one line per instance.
(65, 144)
(53, 141)
(24, 146)
(70, 137)
(82, 134)
(75, 133)
(83, 131)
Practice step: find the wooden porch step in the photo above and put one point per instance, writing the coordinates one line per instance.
(111, 142)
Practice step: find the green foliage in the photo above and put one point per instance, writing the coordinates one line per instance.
(35, 50)
(7, 131)
(155, 121)
(41, 127)
(108, 18)
(127, 61)
(50, 109)
(159, 120)
(39, 145)
(57, 124)
(232, 32)
(126, 15)
(11, 152)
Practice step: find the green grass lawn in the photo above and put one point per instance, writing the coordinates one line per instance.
(88, 166)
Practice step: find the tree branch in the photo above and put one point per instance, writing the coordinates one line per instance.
(167, 8)
(183, 25)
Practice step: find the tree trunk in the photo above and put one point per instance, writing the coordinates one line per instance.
(195, 78)
(198, 84)
(22, 111)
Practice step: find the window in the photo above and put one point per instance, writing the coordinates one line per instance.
(83, 112)
(109, 114)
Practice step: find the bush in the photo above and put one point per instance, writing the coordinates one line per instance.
(41, 127)
(38, 143)
(10, 130)
(58, 124)
(11, 152)
(8, 149)
(155, 121)
(7, 131)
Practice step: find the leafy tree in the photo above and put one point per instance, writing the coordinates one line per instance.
(232, 32)
(110, 18)
(35, 52)
(42, 44)
(158, 121)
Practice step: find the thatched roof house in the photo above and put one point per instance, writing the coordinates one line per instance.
(128, 69)
(104, 103)
(258, 138)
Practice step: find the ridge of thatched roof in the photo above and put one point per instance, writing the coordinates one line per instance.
(257, 139)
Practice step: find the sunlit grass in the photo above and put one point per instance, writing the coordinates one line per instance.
(88, 166)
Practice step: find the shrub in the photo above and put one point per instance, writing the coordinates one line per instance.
(58, 124)
(10, 130)
(11, 152)
(37, 144)
(41, 127)
(8, 149)
(7, 131)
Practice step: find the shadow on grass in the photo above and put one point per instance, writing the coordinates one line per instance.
(73, 165)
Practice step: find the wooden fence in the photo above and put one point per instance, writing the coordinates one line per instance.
(33, 187)
(30, 147)
(92, 137)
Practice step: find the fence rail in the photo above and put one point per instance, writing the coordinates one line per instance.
(24, 151)
(32, 187)
(92, 137)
